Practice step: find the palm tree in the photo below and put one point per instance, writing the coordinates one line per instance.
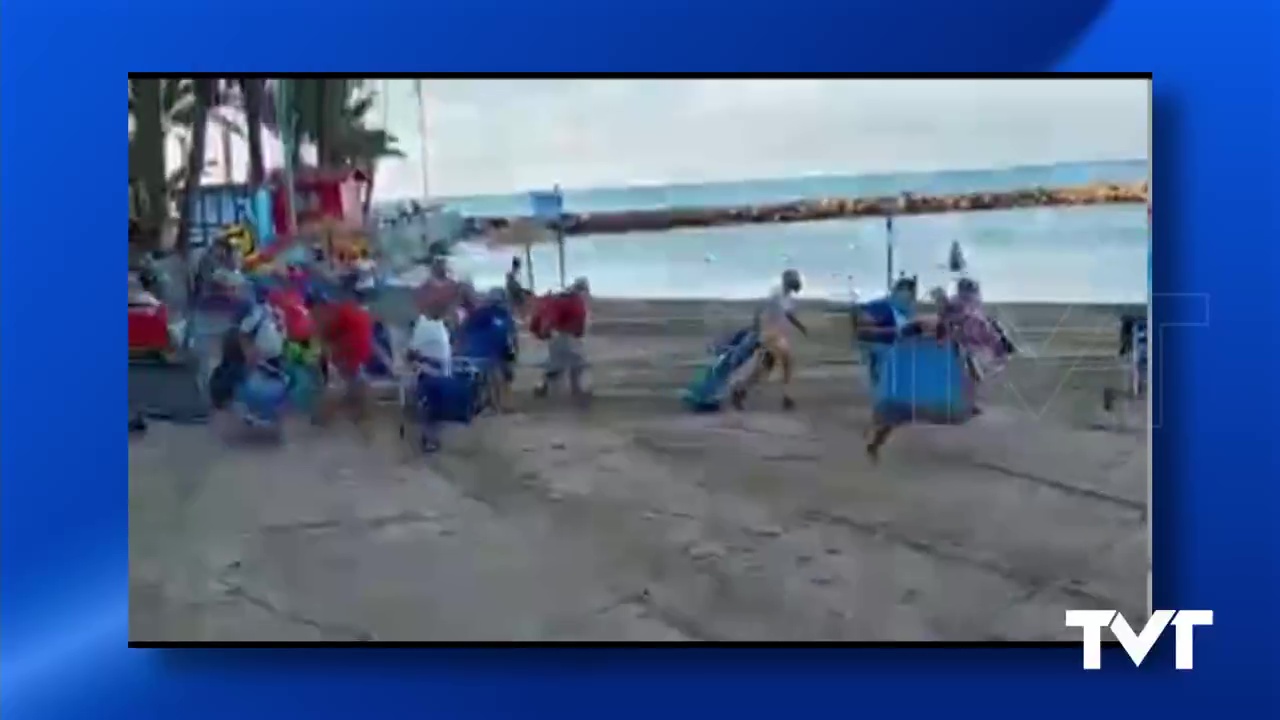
(204, 95)
(319, 105)
(357, 145)
(254, 96)
(160, 108)
(146, 152)
(332, 114)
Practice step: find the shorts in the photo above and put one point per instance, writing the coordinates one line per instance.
(350, 375)
(506, 368)
(564, 353)
(774, 348)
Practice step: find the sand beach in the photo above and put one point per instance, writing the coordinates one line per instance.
(636, 520)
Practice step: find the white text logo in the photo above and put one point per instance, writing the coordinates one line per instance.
(1139, 644)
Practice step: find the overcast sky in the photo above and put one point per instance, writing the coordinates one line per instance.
(497, 136)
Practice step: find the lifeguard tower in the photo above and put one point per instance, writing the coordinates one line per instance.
(330, 213)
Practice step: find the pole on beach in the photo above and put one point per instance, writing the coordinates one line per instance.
(560, 233)
(888, 243)
(548, 211)
(560, 249)
(422, 118)
(528, 264)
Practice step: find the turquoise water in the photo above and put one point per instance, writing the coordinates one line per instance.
(1079, 254)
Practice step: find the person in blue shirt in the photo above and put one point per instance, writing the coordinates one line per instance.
(885, 320)
(489, 333)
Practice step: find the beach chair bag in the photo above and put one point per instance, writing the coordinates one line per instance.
(921, 380)
(262, 395)
(1137, 353)
(706, 392)
(449, 398)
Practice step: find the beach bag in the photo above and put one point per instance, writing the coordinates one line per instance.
(921, 380)
(542, 319)
(262, 395)
(450, 398)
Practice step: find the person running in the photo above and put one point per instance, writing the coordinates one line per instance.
(774, 321)
(251, 357)
(884, 321)
(561, 320)
(517, 295)
(440, 294)
(346, 327)
(262, 334)
(489, 333)
(430, 356)
(962, 318)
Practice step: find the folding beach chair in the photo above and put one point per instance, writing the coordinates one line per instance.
(921, 380)
(1134, 352)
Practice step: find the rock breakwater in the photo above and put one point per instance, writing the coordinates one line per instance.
(838, 208)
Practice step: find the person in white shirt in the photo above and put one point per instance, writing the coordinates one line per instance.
(430, 348)
(774, 321)
(430, 354)
(261, 331)
(366, 274)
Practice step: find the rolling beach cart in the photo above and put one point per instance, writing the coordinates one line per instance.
(708, 390)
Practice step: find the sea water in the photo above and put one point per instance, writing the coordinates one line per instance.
(1064, 254)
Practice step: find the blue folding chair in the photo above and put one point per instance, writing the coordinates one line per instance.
(921, 379)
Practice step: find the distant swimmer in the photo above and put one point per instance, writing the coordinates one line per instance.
(955, 259)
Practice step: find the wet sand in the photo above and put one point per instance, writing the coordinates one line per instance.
(636, 520)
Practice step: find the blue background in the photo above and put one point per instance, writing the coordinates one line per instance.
(63, 459)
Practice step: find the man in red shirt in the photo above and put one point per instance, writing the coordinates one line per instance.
(347, 330)
(562, 322)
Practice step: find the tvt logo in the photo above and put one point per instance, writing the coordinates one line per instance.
(1137, 645)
